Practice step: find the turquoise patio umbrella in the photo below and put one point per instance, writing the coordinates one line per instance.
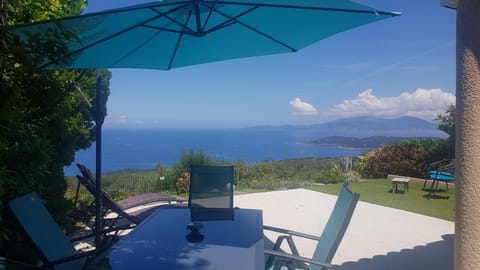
(175, 33)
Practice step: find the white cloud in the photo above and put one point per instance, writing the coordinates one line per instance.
(302, 108)
(116, 120)
(123, 119)
(423, 103)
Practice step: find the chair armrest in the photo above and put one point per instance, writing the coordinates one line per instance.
(297, 258)
(104, 231)
(290, 232)
(439, 165)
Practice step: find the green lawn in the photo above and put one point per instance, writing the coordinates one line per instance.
(378, 191)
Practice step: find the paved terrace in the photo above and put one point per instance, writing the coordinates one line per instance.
(378, 237)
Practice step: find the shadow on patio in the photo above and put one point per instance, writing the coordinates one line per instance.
(435, 255)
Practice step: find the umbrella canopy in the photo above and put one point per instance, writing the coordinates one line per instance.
(175, 33)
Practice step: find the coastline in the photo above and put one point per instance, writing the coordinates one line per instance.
(144, 149)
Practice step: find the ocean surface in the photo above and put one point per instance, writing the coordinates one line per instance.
(143, 149)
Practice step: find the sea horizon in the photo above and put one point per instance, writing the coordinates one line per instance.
(145, 148)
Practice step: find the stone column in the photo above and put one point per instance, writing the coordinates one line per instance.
(467, 188)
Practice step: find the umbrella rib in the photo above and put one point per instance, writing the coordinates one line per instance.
(170, 63)
(230, 21)
(197, 15)
(174, 53)
(101, 41)
(163, 4)
(110, 37)
(378, 12)
(233, 20)
(183, 26)
(133, 50)
(167, 29)
(211, 9)
(105, 12)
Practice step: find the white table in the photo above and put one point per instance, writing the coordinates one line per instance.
(160, 242)
(400, 181)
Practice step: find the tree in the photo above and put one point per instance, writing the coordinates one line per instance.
(446, 123)
(181, 169)
(43, 120)
(192, 158)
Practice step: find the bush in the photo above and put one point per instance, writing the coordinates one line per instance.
(408, 158)
(330, 176)
(181, 169)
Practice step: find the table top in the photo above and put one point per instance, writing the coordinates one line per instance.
(229, 239)
(401, 180)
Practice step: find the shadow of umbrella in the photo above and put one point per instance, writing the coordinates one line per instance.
(177, 33)
(436, 255)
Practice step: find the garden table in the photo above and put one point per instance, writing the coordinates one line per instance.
(400, 181)
(192, 239)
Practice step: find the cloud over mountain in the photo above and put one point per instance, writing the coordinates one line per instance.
(422, 103)
(302, 108)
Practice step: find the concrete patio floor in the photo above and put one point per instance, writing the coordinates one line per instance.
(378, 237)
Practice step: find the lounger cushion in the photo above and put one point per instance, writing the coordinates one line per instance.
(441, 175)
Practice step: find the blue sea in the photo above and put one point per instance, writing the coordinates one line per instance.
(143, 149)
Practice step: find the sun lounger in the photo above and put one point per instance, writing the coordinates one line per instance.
(440, 171)
(88, 181)
(54, 246)
(6, 264)
(327, 243)
(134, 201)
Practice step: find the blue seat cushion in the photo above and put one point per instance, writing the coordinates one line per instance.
(441, 176)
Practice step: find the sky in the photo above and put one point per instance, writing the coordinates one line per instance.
(402, 66)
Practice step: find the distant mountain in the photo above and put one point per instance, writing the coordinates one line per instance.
(360, 143)
(361, 127)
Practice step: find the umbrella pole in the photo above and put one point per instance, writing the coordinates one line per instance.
(98, 160)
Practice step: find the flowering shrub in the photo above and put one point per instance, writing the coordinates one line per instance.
(410, 158)
(352, 176)
(183, 182)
